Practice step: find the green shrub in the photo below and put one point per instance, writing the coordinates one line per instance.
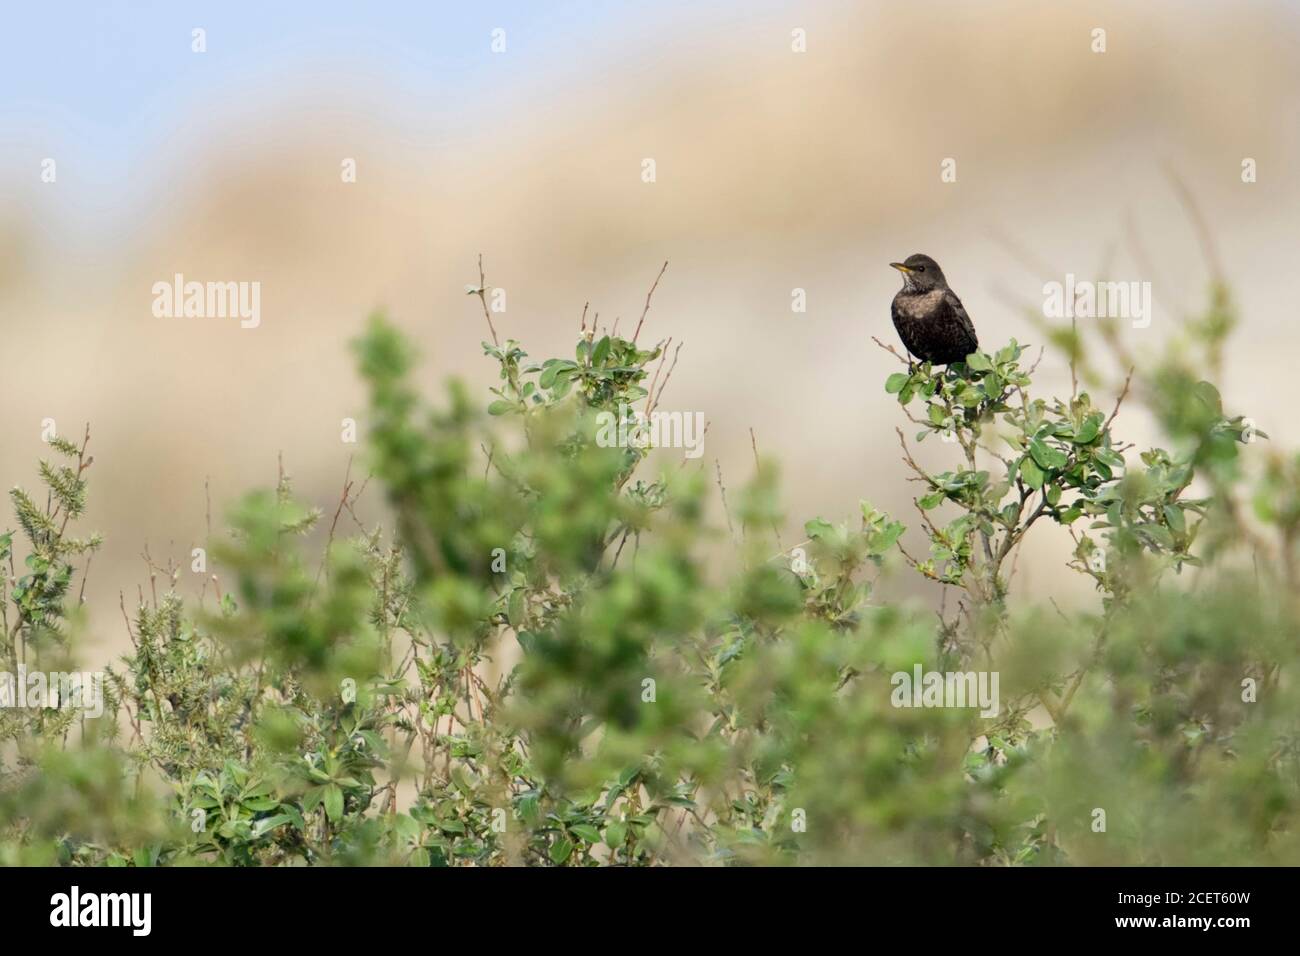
(536, 662)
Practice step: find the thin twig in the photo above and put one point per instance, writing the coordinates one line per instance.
(482, 296)
(663, 357)
(891, 350)
(910, 461)
(725, 509)
(329, 541)
(658, 396)
(1074, 356)
(1122, 395)
(649, 295)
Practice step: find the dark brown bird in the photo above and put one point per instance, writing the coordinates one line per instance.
(929, 317)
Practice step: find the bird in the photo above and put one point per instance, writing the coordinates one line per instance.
(929, 317)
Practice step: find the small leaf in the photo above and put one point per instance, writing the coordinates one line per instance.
(1175, 519)
(1031, 474)
(515, 608)
(560, 850)
(264, 826)
(528, 808)
(334, 803)
(1089, 430)
(1046, 456)
(1210, 396)
(886, 537)
(932, 500)
(587, 832)
(817, 528)
(1109, 457)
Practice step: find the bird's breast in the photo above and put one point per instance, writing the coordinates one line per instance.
(919, 305)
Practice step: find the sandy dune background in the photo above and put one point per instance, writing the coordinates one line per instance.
(775, 171)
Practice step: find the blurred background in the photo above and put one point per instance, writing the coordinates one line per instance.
(775, 170)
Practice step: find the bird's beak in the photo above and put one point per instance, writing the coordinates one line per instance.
(900, 267)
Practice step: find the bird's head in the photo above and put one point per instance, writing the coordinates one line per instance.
(921, 273)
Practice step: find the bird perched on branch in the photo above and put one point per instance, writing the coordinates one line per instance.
(929, 317)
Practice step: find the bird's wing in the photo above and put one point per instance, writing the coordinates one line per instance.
(958, 312)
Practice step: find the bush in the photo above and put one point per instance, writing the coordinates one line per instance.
(535, 662)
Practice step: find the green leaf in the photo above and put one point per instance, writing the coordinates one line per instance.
(817, 528)
(1109, 457)
(1210, 396)
(1158, 535)
(515, 608)
(895, 382)
(1031, 474)
(1089, 430)
(932, 500)
(1175, 519)
(334, 803)
(886, 537)
(500, 407)
(978, 362)
(1047, 457)
(264, 826)
(407, 827)
(587, 832)
(528, 808)
(560, 850)
(1008, 353)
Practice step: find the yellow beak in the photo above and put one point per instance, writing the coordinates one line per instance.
(900, 267)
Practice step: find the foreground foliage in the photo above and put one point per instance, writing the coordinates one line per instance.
(536, 662)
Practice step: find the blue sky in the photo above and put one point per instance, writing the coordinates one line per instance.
(114, 92)
(113, 63)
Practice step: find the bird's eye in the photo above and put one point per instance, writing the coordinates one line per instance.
(920, 268)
